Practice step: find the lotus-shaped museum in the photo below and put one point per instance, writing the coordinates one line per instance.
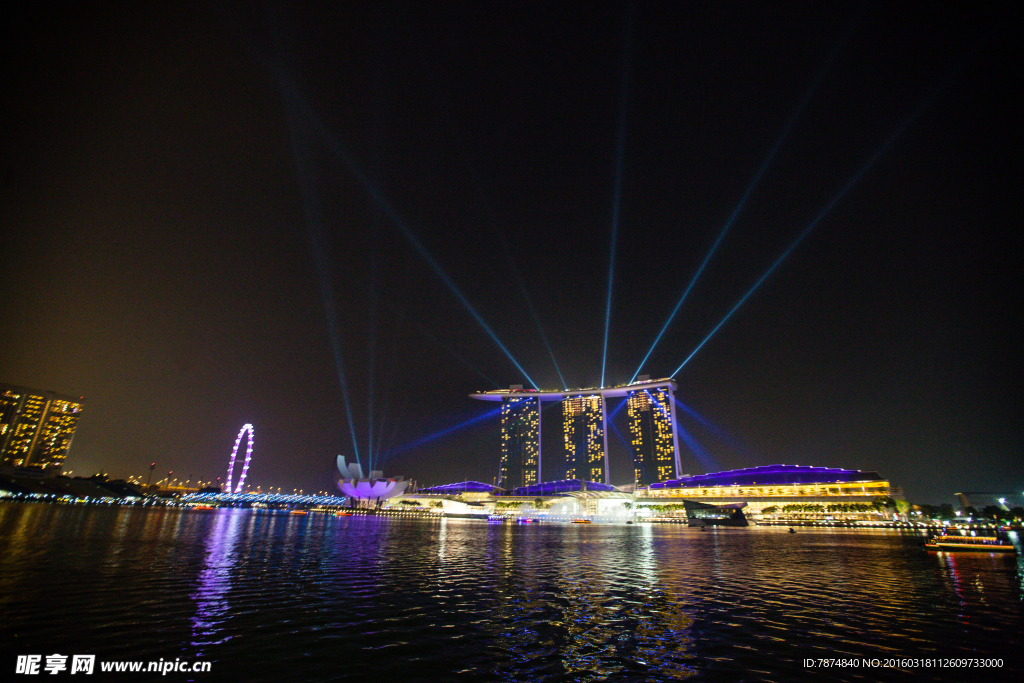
(375, 487)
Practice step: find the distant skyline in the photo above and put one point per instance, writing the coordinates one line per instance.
(335, 223)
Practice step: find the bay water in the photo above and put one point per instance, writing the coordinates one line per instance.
(268, 596)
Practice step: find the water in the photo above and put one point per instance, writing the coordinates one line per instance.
(267, 596)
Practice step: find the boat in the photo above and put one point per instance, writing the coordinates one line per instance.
(582, 521)
(296, 512)
(342, 513)
(971, 544)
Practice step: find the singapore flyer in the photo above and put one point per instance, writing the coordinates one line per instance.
(247, 428)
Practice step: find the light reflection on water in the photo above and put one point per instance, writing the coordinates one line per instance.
(271, 597)
(215, 579)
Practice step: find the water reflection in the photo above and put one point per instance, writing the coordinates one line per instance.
(979, 580)
(589, 606)
(214, 580)
(276, 597)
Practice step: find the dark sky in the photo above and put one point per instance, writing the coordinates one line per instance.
(199, 200)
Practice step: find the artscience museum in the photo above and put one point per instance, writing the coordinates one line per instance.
(373, 490)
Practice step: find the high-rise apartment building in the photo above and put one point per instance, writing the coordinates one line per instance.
(651, 435)
(520, 442)
(36, 427)
(585, 442)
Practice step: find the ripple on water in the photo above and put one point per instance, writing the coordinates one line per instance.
(270, 597)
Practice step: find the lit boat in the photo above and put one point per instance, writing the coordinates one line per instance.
(342, 514)
(296, 512)
(973, 544)
(582, 521)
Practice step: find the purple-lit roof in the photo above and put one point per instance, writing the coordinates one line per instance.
(553, 488)
(461, 487)
(771, 475)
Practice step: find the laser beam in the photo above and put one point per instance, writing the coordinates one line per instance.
(526, 298)
(716, 430)
(709, 461)
(387, 397)
(371, 365)
(314, 224)
(444, 432)
(746, 195)
(386, 446)
(296, 105)
(620, 153)
(625, 443)
(492, 216)
(378, 198)
(536, 319)
(622, 404)
(824, 212)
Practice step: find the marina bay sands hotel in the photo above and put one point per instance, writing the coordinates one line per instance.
(650, 405)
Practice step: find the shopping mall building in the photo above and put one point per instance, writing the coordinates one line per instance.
(775, 486)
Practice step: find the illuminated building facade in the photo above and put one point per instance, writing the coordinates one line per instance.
(651, 435)
(586, 441)
(777, 486)
(520, 442)
(585, 430)
(36, 427)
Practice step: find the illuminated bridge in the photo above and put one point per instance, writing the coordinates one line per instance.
(652, 429)
(261, 498)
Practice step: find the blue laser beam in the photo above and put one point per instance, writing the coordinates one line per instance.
(295, 105)
(615, 412)
(629, 447)
(716, 430)
(378, 198)
(387, 398)
(397, 311)
(526, 296)
(386, 446)
(444, 432)
(533, 311)
(620, 153)
(314, 224)
(706, 459)
(825, 211)
(492, 216)
(746, 195)
(661, 407)
(371, 366)
(536, 319)
(457, 356)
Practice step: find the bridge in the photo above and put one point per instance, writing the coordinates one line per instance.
(262, 499)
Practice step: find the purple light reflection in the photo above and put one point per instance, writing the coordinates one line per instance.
(214, 580)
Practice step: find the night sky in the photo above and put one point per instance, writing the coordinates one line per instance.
(206, 206)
